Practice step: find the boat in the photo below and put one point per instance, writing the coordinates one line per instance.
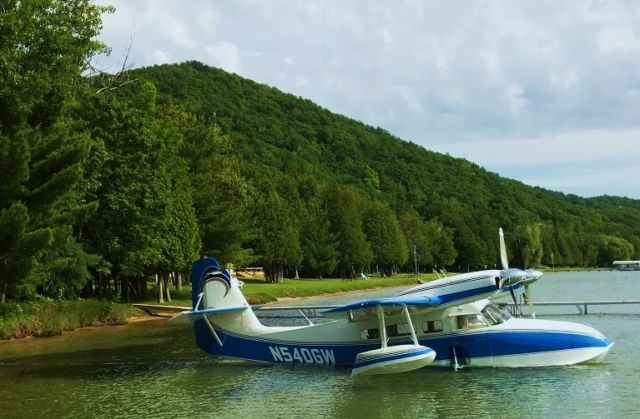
(627, 265)
(449, 322)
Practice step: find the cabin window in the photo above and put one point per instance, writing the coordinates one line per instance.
(495, 315)
(471, 321)
(432, 326)
(403, 329)
(370, 334)
(392, 330)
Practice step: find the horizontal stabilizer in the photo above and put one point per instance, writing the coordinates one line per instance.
(193, 315)
(217, 310)
(160, 310)
(394, 301)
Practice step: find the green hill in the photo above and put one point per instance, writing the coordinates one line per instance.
(296, 137)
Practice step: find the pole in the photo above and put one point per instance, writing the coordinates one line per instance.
(415, 259)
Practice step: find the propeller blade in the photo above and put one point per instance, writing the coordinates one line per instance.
(503, 250)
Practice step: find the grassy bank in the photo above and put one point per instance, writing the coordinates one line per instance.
(258, 291)
(49, 318)
(261, 292)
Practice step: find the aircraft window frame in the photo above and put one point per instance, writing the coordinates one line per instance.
(393, 330)
(472, 321)
(493, 313)
(432, 326)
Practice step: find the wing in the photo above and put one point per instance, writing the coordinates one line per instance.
(412, 302)
(393, 306)
(435, 295)
(459, 289)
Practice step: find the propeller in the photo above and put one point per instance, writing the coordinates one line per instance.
(515, 278)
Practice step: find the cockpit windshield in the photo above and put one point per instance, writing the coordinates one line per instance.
(494, 314)
(471, 321)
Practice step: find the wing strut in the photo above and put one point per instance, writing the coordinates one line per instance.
(382, 327)
(410, 323)
(212, 330)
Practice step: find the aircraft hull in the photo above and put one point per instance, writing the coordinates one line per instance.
(489, 347)
(445, 317)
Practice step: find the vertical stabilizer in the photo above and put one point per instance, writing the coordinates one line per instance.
(215, 288)
(219, 287)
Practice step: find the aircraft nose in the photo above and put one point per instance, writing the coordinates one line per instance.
(596, 338)
(533, 274)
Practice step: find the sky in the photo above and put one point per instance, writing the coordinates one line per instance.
(546, 92)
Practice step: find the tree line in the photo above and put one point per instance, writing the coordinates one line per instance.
(104, 189)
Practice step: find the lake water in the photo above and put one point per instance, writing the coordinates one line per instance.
(152, 369)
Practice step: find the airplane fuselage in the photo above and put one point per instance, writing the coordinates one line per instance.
(447, 322)
(509, 342)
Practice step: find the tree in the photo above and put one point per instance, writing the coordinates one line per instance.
(415, 232)
(385, 236)
(222, 193)
(176, 226)
(345, 208)
(529, 239)
(441, 243)
(318, 242)
(145, 223)
(613, 248)
(278, 242)
(44, 45)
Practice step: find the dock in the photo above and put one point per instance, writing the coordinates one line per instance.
(582, 306)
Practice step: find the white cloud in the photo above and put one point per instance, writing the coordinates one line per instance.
(594, 181)
(587, 163)
(160, 57)
(224, 55)
(576, 147)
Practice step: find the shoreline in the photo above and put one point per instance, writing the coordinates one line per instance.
(139, 318)
(130, 322)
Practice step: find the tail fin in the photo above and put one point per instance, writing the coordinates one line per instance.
(218, 303)
(214, 287)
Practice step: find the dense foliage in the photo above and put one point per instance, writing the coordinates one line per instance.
(104, 189)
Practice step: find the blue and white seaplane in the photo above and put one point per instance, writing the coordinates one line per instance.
(447, 322)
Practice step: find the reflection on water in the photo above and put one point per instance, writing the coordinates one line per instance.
(152, 369)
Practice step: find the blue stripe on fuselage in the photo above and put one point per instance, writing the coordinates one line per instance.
(428, 287)
(456, 296)
(511, 342)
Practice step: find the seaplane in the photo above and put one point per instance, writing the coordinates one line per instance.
(448, 322)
